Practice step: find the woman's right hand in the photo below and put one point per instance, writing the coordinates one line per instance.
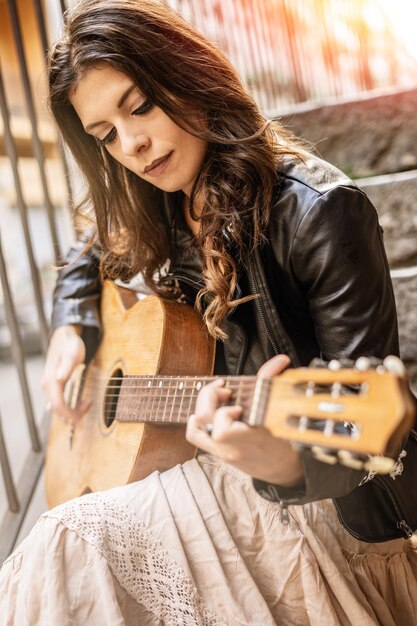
(66, 351)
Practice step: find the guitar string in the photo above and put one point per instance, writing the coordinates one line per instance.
(143, 383)
(173, 395)
(178, 414)
(145, 391)
(172, 402)
(238, 379)
(190, 393)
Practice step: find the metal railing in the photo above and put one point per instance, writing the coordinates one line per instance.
(23, 162)
(287, 51)
(290, 51)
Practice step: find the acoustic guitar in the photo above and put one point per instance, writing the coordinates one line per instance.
(154, 357)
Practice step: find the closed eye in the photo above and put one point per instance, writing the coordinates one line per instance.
(109, 138)
(144, 108)
(111, 135)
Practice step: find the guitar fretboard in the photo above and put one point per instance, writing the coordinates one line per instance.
(171, 399)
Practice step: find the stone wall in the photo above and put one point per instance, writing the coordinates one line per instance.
(369, 136)
(374, 140)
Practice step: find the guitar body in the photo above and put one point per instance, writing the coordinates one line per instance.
(146, 337)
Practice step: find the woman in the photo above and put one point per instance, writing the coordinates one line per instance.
(188, 185)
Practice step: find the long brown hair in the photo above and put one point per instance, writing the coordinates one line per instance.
(176, 68)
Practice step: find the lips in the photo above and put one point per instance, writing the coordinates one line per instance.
(158, 165)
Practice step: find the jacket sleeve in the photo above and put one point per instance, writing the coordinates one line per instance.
(76, 298)
(339, 260)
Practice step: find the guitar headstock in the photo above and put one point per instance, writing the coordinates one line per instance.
(356, 416)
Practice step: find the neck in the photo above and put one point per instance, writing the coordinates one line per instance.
(193, 225)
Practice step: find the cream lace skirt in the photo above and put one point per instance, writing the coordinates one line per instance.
(197, 546)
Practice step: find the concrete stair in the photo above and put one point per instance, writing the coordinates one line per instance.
(395, 198)
(374, 140)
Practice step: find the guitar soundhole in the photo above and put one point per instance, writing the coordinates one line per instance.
(112, 397)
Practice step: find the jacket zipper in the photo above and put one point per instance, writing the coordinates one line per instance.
(401, 524)
(260, 305)
(404, 527)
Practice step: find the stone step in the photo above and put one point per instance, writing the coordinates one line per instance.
(395, 199)
(405, 289)
(373, 134)
(373, 139)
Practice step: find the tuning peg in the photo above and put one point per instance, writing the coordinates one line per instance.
(346, 363)
(379, 464)
(334, 365)
(336, 390)
(328, 428)
(394, 365)
(363, 363)
(347, 458)
(310, 390)
(303, 423)
(324, 455)
(317, 363)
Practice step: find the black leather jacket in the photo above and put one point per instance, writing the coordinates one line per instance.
(324, 285)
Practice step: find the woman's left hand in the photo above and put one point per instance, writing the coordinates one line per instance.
(251, 449)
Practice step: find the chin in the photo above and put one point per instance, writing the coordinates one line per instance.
(168, 188)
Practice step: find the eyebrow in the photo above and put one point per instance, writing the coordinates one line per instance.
(120, 103)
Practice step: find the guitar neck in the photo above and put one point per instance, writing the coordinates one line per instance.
(345, 409)
(170, 399)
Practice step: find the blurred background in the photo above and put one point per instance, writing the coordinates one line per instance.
(341, 73)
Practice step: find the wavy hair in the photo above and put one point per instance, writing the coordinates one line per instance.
(189, 79)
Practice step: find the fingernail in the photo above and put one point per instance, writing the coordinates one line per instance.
(283, 358)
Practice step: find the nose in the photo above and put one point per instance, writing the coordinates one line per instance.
(132, 141)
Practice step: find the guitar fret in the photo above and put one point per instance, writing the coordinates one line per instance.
(159, 397)
(151, 404)
(192, 402)
(138, 405)
(145, 399)
(263, 387)
(171, 398)
(182, 389)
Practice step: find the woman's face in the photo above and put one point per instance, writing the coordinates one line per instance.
(136, 133)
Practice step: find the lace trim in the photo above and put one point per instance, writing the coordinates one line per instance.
(138, 560)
